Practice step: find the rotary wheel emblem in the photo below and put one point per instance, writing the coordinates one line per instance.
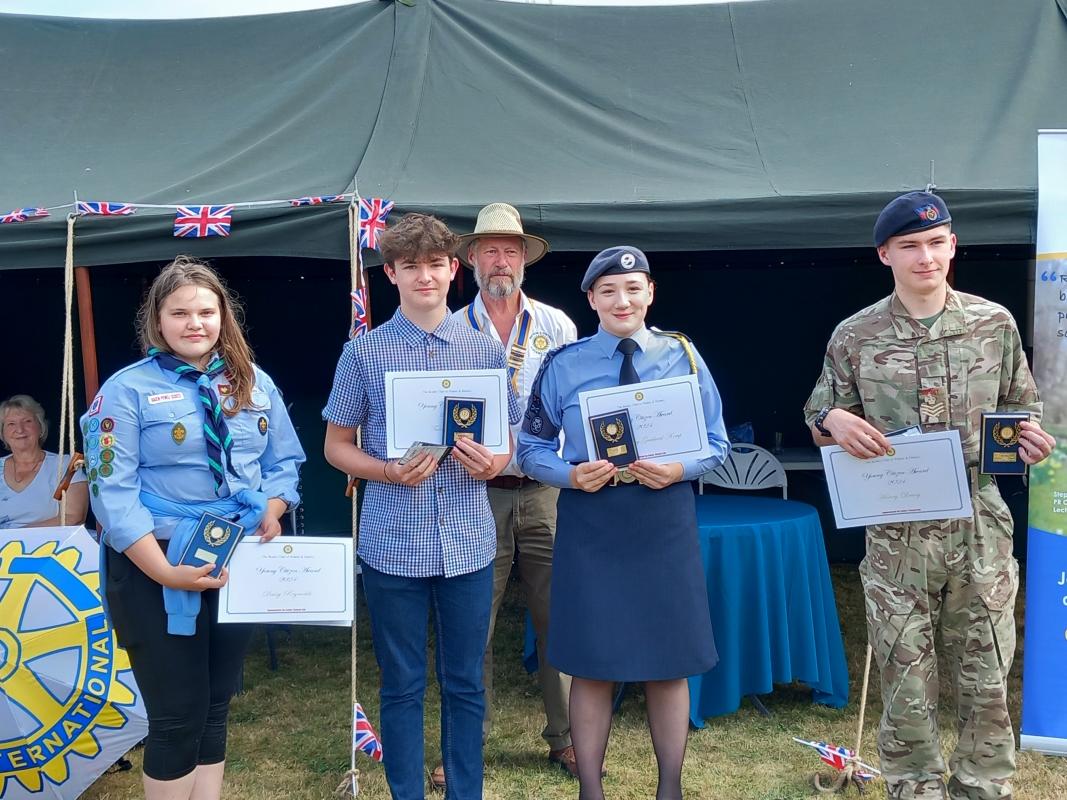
(58, 681)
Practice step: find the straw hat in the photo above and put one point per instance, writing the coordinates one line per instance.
(500, 219)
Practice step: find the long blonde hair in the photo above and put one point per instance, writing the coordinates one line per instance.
(232, 345)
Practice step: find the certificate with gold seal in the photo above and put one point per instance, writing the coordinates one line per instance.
(415, 408)
(666, 416)
(304, 580)
(923, 477)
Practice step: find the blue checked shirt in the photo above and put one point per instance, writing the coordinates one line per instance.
(443, 526)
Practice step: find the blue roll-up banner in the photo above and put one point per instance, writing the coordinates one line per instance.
(1044, 725)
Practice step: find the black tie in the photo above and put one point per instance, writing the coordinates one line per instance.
(627, 374)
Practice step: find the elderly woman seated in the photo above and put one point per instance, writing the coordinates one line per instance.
(32, 474)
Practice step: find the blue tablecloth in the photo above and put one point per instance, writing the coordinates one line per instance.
(771, 601)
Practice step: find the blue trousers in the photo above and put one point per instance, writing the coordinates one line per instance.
(459, 609)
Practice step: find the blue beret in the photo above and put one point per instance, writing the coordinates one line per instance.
(614, 261)
(914, 211)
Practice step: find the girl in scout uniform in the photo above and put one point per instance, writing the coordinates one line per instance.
(194, 427)
(629, 601)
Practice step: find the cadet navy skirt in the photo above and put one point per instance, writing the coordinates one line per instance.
(629, 598)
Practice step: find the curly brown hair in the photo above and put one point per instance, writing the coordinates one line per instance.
(232, 345)
(417, 236)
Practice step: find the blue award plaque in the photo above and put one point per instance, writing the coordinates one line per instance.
(464, 419)
(1000, 443)
(613, 437)
(212, 543)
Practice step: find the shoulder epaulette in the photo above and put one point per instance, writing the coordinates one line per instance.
(687, 345)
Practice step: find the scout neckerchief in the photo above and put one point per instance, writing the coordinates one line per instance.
(216, 433)
(517, 352)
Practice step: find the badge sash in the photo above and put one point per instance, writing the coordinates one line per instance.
(517, 351)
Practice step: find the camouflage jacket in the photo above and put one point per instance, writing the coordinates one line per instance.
(888, 368)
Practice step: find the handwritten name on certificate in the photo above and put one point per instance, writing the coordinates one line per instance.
(415, 405)
(296, 579)
(924, 478)
(667, 415)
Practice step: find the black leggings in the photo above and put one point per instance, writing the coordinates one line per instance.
(186, 681)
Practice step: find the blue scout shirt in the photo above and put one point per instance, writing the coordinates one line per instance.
(593, 363)
(144, 431)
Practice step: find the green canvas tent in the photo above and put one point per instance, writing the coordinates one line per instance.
(775, 124)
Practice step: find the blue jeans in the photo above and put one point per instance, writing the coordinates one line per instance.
(459, 608)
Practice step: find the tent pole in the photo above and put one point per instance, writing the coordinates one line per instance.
(87, 333)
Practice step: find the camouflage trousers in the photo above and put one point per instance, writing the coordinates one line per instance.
(952, 583)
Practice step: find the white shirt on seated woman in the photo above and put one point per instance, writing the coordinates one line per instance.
(31, 474)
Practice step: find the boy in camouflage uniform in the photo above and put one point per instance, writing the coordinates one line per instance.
(928, 355)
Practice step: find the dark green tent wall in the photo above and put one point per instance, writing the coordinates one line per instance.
(761, 125)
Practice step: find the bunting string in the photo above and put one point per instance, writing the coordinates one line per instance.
(202, 221)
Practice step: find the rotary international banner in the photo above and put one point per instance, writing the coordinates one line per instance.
(68, 704)
(1044, 724)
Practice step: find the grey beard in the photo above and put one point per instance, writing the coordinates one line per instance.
(497, 290)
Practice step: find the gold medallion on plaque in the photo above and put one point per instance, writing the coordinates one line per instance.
(464, 417)
(216, 535)
(1006, 435)
(613, 432)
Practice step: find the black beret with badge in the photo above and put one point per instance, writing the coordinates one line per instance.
(618, 260)
(911, 212)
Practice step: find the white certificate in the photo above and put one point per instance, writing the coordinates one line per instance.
(415, 406)
(298, 579)
(667, 415)
(925, 478)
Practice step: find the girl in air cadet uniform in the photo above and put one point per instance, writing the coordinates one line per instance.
(193, 427)
(629, 600)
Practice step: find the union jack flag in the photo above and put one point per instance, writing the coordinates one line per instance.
(196, 222)
(105, 209)
(839, 757)
(834, 755)
(359, 313)
(372, 214)
(23, 214)
(317, 200)
(364, 738)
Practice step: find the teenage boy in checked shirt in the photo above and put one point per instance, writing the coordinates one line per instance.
(427, 536)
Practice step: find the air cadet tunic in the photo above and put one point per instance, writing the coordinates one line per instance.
(889, 368)
(629, 597)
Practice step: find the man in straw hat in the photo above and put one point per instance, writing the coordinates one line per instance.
(525, 511)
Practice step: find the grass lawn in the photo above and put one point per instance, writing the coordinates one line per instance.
(289, 729)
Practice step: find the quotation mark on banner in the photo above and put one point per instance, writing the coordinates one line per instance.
(1053, 277)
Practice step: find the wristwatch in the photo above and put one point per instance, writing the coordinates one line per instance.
(820, 419)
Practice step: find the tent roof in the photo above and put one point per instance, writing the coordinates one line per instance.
(778, 124)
